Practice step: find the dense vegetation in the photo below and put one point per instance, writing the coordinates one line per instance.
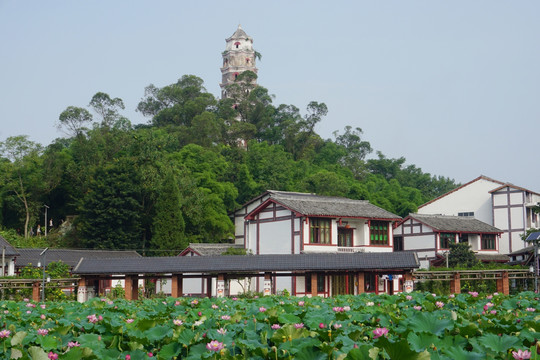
(412, 326)
(158, 186)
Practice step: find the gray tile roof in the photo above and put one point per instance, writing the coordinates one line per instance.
(331, 206)
(249, 263)
(69, 256)
(212, 249)
(492, 257)
(10, 250)
(455, 223)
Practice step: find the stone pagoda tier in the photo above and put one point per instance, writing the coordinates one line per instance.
(238, 57)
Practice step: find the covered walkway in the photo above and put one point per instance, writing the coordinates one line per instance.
(356, 266)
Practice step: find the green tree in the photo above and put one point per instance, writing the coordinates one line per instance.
(461, 255)
(108, 109)
(110, 212)
(21, 176)
(72, 121)
(168, 223)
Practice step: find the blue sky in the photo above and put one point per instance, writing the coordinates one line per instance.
(454, 86)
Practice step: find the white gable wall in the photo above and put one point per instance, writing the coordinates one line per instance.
(474, 197)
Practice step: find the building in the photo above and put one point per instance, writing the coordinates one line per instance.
(8, 254)
(280, 222)
(430, 235)
(239, 56)
(502, 205)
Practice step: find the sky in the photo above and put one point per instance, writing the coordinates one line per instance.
(452, 86)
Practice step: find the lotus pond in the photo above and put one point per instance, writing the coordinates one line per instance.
(368, 326)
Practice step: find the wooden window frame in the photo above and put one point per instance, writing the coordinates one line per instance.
(379, 233)
(444, 239)
(315, 228)
(488, 239)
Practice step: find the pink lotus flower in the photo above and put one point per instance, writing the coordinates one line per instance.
(150, 354)
(53, 356)
(43, 317)
(42, 332)
(417, 307)
(4, 334)
(337, 326)
(378, 332)
(530, 309)
(408, 297)
(43, 306)
(215, 345)
(338, 309)
(129, 321)
(72, 344)
(128, 357)
(301, 303)
(214, 306)
(221, 331)
(439, 304)
(521, 354)
(30, 305)
(225, 317)
(493, 312)
(93, 318)
(262, 309)
(346, 308)
(199, 313)
(276, 326)
(299, 326)
(322, 326)
(178, 322)
(473, 293)
(194, 302)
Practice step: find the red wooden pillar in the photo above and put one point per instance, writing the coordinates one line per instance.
(35, 291)
(177, 284)
(132, 287)
(503, 285)
(209, 286)
(377, 284)
(314, 284)
(455, 283)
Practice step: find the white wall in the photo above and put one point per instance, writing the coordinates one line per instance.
(473, 197)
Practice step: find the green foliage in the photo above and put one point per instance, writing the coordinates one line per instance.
(235, 251)
(461, 255)
(168, 226)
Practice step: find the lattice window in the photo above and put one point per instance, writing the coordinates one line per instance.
(320, 231)
(378, 233)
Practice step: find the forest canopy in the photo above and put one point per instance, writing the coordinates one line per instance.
(158, 186)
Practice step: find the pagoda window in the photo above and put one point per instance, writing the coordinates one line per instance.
(237, 44)
(235, 76)
(247, 60)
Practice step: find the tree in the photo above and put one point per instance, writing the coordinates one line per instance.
(110, 212)
(357, 150)
(462, 255)
(72, 121)
(108, 109)
(168, 223)
(21, 176)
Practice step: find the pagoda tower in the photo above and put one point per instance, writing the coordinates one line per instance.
(238, 57)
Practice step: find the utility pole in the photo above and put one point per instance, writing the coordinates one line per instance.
(46, 207)
(43, 261)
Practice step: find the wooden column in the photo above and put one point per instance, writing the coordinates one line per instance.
(209, 286)
(177, 283)
(361, 282)
(35, 291)
(503, 285)
(132, 287)
(314, 284)
(455, 283)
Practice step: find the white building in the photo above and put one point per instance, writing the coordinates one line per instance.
(430, 235)
(279, 222)
(505, 206)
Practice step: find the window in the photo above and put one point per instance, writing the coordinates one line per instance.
(398, 243)
(464, 238)
(488, 242)
(378, 233)
(320, 283)
(369, 282)
(466, 214)
(446, 239)
(237, 44)
(320, 231)
(345, 237)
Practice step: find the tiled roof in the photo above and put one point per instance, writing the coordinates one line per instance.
(249, 263)
(492, 257)
(239, 34)
(332, 206)
(10, 250)
(455, 223)
(69, 256)
(211, 249)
